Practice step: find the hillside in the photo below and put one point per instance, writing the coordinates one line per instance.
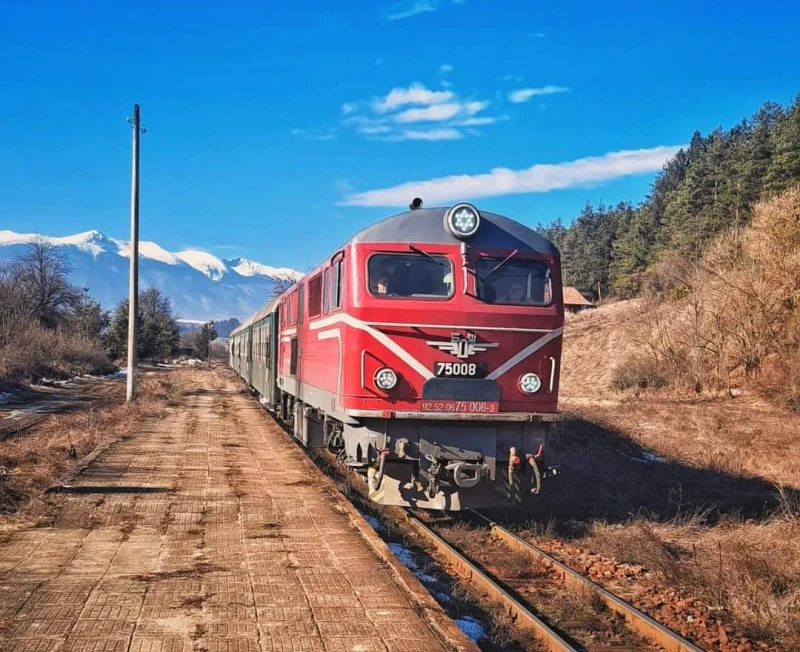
(200, 285)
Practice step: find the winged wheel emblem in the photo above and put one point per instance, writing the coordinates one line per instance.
(463, 346)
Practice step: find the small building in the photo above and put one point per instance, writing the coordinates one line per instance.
(574, 301)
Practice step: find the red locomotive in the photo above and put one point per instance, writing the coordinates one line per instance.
(424, 352)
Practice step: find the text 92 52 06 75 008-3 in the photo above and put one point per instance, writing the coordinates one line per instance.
(458, 406)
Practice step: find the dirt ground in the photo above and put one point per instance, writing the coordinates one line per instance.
(692, 500)
(202, 529)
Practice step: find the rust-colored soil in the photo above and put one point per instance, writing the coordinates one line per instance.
(202, 530)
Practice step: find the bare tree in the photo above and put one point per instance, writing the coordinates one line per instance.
(43, 274)
(14, 308)
(281, 285)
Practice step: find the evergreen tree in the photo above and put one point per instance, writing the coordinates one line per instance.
(88, 316)
(201, 340)
(784, 167)
(158, 332)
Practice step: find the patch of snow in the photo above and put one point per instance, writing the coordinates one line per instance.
(204, 262)
(245, 267)
(44, 406)
(474, 629)
(149, 250)
(646, 458)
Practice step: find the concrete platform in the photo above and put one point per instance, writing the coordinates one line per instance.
(207, 529)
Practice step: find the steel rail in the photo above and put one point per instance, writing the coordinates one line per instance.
(475, 576)
(636, 620)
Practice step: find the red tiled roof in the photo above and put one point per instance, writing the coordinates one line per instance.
(574, 298)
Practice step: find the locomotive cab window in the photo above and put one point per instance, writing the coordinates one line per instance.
(514, 282)
(410, 275)
(337, 283)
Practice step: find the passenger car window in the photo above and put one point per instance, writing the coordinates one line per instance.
(410, 275)
(517, 282)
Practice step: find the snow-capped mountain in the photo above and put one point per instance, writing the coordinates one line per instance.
(199, 285)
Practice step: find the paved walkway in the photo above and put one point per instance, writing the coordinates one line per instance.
(203, 530)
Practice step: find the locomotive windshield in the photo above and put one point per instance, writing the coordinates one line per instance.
(517, 282)
(425, 276)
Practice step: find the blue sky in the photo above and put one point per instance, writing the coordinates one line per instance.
(277, 129)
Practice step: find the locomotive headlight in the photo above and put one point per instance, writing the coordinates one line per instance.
(463, 220)
(385, 379)
(529, 383)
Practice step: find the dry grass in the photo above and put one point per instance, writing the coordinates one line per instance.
(40, 456)
(747, 571)
(33, 353)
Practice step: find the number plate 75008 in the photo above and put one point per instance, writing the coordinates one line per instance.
(459, 370)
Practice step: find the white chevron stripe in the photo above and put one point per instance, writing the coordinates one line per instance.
(526, 352)
(415, 364)
(384, 339)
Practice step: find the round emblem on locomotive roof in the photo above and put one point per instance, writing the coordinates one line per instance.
(462, 220)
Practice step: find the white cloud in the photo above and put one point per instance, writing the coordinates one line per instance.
(386, 117)
(445, 133)
(537, 35)
(445, 68)
(477, 122)
(407, 10)
(435, 113)
(524, 94)
(414, 94)
(542, 177)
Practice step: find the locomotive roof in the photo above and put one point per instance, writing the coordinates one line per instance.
(256, 316)
(426, 225)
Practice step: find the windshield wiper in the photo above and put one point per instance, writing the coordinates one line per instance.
(499, 265)
(427, 255)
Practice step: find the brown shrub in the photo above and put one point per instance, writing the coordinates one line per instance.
(715, 323)
(779, 382)
(639, 371)
(34, 352)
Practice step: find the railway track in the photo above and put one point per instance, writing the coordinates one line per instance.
(657, 636)
(644, 633)
(636, 620)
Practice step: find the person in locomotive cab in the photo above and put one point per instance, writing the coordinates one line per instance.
(515, 293)
(382, 287)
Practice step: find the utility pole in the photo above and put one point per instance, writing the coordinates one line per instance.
(209, 324)
(133, 287)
